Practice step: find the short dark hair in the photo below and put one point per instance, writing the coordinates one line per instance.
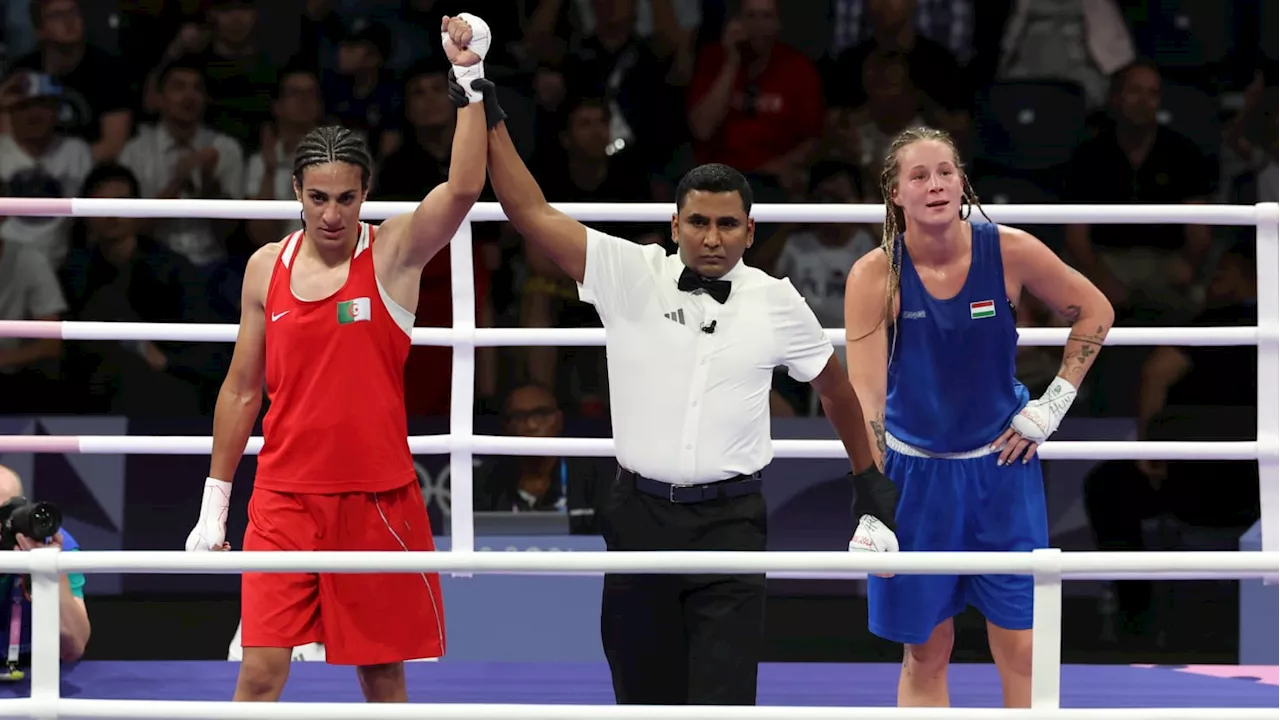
(105, 172)
(714, 178)
(185, 62)
(291, 68)
(332, 143)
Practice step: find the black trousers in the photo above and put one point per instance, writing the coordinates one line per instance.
(682, 639)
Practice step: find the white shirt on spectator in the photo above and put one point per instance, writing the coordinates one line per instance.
(153, 156)
(28, 288)
(59, 172)
(281, 184)
(690, 406)
(819, 271)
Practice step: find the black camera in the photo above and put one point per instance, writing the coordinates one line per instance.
(37, 520)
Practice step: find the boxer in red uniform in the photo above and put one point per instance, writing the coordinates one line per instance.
(324, 321)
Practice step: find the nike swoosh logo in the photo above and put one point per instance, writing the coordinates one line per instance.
(277, 316)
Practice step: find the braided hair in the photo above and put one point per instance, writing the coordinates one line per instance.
(332, 144)
(895, 221)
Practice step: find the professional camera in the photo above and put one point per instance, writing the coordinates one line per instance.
(37, 520)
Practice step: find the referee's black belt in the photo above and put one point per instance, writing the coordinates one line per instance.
(733, 487)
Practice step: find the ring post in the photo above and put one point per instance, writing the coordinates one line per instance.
(45, 632)
(462, 534)
(1268, 269)
(1046, 629)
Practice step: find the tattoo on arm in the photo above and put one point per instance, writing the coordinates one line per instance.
(1078, 355)
(877, 427)
(1072, 313)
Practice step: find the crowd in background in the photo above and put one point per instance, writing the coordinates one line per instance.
(1083, 101)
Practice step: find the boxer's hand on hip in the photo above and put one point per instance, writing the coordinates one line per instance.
(1035, 422)
(210, 532)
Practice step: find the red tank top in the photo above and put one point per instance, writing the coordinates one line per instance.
(335, 381)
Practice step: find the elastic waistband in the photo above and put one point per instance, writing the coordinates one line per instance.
(903, 448)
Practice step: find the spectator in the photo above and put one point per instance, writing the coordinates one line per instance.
(817, 257)
(362, 95)
(933, 71)
(297, 108)
(181, 157)
(668, 27)
(73, 615)
(238, 75)
(1252, 136)
(1079, 41)
(1186, 394)
(755, 103)
(29, 373)
(37, 160)
(862, 135)
(116, 274)
(950, 23)
(541, 484)
(98, 92)
(1148, 272)
(615, 64)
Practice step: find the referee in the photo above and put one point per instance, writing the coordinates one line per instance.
(692, 341)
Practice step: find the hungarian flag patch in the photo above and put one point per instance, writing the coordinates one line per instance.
(984, 309)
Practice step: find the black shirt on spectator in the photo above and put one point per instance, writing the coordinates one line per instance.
(100, 84)
(1174, 171)
(934, 71)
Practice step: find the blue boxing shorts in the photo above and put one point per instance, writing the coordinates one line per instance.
(961, 504)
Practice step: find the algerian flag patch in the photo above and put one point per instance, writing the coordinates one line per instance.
(357, 310)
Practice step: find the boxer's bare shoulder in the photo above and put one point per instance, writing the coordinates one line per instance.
(257, 274)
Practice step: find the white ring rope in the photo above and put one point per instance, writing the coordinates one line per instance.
(1050, 567)
(1258, 214)
(604, 447)
(579, 337)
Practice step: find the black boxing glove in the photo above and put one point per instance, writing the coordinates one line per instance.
(493, 112)
(876, 495)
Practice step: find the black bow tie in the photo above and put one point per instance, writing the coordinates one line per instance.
(718, 289)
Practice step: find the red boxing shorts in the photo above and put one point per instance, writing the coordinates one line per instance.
(362, 619)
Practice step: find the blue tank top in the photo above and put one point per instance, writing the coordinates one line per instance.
(951, 384)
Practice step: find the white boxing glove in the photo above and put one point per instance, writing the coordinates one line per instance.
(211, 529)
(480, 40)
(1040, 418)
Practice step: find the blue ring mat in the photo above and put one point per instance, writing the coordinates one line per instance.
(792, 684)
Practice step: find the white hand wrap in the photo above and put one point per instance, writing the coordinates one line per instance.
(1040, 418)
(480, 37)
(211, 529)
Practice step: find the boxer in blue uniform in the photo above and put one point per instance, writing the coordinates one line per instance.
(932, 336)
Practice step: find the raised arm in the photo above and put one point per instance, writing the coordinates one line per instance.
(417, 237)
(561, 237)
(867, 342)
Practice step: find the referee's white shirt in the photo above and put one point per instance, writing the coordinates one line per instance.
(688, 406)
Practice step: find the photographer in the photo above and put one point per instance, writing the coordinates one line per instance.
(15, 600)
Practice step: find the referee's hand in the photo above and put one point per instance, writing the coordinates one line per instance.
(876, 495)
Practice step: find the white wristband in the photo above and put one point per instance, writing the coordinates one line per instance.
(1057, 398)
(216, 498)
(464, 76)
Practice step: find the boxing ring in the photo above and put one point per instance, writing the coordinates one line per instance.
(528, 691)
